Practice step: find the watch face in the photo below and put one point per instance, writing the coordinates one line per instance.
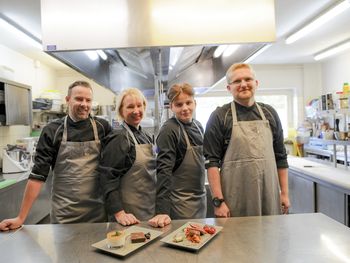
(217, 202)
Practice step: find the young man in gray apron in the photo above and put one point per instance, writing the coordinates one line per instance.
(181, 191)
(245, 156)
(70, 147)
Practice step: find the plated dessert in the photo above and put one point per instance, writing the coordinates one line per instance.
(123, 242)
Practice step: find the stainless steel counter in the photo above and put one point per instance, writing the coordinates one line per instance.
(11, 198)
(291, 238)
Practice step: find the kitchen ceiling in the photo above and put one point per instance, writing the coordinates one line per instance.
(136, 66)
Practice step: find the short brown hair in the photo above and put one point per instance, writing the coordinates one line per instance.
(235, 67)
(82, 83)
(132, 92)
(179, 88)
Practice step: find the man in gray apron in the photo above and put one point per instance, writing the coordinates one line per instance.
(75, 186)
(245, 156)
(69, 146)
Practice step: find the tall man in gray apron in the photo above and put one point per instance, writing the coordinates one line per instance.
(70, 146)
(245, 157)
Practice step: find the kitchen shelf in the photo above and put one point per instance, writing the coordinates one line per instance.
(48, 112)
(327, 153)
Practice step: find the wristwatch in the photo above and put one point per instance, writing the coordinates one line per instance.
(217, 201)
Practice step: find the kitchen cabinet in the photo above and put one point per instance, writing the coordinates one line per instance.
(16, 105)
(11, 198)
(332, 202)
(301, 194)
(316, 187)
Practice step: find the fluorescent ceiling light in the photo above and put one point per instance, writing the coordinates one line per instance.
(20, 34)
(102, 54)
(332, 51)
(219, 50)
(230, 50)
(91, 54)
(257, 53)
(319, 21)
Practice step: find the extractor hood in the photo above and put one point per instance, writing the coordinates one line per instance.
(154, 42)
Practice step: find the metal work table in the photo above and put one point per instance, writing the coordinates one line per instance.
(11, 198)
(291, 238)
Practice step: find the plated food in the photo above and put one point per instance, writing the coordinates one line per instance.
(192, 235)
(116, 239)
(134, 237)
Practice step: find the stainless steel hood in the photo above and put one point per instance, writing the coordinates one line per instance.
(154, 42)
(142, 67)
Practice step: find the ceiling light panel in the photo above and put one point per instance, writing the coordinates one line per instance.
(319, 21)
(19, 34)
(333, 50)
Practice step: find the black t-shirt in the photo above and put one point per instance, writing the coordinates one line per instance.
(51, 137)
(219, 128)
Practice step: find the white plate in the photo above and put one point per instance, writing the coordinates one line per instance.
(128, 247)
(169, 239)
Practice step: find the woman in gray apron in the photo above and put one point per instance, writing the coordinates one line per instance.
(180, 162)
(127, 165)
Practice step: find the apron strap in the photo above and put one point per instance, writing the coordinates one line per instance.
(261, 112)
(64, 136)
(234, 114)
(185, 134)
(94, 127)
(201, 133)
(130, 132)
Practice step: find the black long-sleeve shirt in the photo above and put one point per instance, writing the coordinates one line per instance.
(51, 137)
(117, 157)
(171, 148)
(219, 128)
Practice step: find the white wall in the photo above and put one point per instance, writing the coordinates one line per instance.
(19, 68)
(102, 95)
(335, 71)
(303, 81)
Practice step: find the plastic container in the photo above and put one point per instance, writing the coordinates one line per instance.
(346, 88)
(343, 100)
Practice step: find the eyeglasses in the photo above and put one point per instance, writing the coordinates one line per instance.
(239, 81)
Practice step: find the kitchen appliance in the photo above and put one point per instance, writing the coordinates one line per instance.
(15, 160)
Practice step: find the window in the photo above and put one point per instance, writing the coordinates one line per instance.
(281, 100)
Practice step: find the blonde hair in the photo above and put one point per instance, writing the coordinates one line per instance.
(236, 66)
(129, 92)
(179, 88)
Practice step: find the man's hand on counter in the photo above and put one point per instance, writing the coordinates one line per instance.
(10, 224)
(160, 220)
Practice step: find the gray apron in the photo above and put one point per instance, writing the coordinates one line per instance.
(138, 185)
(188, 195)
(76, 196)
(249, 177)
